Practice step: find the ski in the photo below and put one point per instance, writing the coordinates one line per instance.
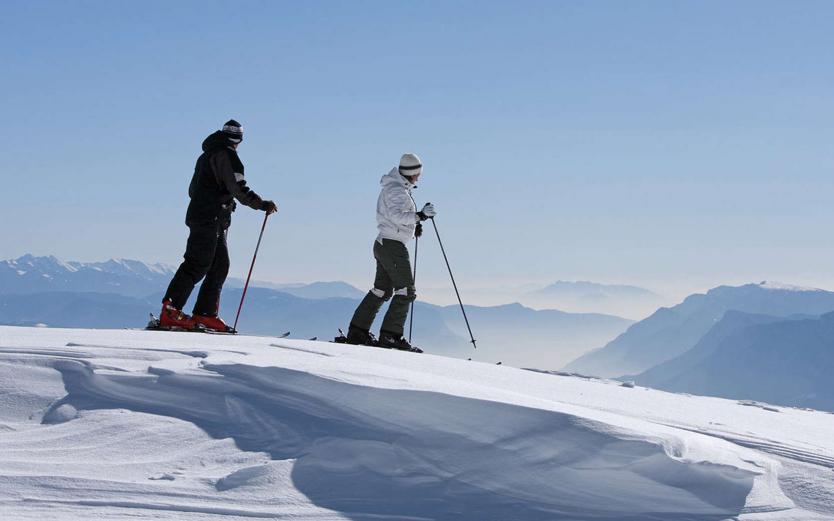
(153, 325)
(342, 339)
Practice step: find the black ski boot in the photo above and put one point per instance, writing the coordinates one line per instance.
(392, 341)
(359, 337)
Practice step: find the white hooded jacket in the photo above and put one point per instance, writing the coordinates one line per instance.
(396, 212)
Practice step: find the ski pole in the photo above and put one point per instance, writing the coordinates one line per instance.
(453, 283)
(251, 267)
(413, 281)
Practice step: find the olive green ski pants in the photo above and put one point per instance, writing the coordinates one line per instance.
(393, 277)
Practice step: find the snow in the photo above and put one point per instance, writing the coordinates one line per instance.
(66, 265)
(44, 262)
(768, 284)
(149, 425)
(53, 266)
(134, 266)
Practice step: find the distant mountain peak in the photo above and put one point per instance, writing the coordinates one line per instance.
(133, 266)
(752, 288)
(587, 287)
(770, 284)
(29, 274)
(671, 332)
(50, 262)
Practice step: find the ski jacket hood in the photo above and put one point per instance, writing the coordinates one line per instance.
(396, 212)
(217, 140)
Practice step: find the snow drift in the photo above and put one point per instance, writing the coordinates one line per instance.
(122, 424)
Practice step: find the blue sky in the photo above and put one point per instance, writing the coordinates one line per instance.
(677, 145)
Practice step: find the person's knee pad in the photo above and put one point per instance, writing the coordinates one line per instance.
(408, 293)
(381, 293)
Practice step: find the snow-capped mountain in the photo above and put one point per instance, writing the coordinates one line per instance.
(758, 357)
(29, 274)
(592, 297)
(670, 332)
(151, 425)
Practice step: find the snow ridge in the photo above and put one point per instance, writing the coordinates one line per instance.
(168, 425)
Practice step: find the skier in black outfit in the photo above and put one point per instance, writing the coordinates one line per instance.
(217, 182)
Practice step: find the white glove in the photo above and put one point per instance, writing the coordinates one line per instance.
(427, 212)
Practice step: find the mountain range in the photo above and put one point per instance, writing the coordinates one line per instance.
(585, 296)
(121, 293)
(764, 341)
(670, 332)
(758, 342)
(29, 274)
(786, 361)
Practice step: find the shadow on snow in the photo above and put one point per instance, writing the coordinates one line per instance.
(368, 452)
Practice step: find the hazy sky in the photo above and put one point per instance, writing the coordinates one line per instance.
(667, 144)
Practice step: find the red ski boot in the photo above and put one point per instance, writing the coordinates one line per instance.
(212, 322)
(173, 318)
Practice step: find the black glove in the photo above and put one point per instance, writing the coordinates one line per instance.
(418, 231)
(269, 207)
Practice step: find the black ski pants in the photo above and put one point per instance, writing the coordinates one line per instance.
(206, 255)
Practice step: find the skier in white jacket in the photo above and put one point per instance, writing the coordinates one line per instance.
(397, 220)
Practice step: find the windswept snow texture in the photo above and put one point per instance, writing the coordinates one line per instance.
(152, 425)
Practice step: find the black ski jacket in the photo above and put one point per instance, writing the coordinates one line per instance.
(217, 181)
